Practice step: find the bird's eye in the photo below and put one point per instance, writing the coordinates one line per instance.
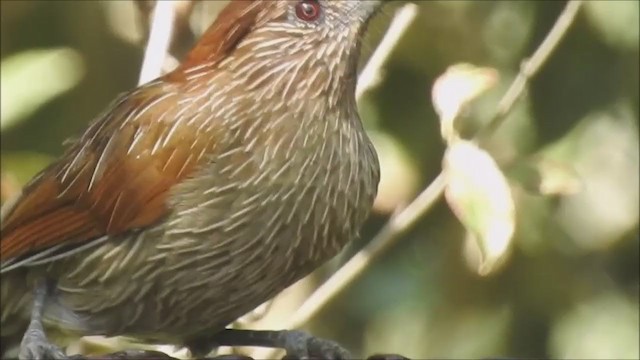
(308, 10)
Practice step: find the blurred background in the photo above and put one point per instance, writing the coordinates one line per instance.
(569, 285)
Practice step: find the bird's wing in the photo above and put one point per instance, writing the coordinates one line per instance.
(116, 178)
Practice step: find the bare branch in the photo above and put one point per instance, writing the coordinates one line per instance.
(390, 233)
(371, 74)
(404, 219)
(156, 355)
(530, 67)
(159, 40)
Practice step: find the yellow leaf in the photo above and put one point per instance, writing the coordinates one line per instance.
(459, 85)
(479, 195)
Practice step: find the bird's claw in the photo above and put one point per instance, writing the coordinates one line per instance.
(35, 346)
(301, 345)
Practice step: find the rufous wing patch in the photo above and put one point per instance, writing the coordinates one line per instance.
(118, 176)
(115, 179)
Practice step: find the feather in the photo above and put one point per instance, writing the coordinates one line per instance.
(117, 177)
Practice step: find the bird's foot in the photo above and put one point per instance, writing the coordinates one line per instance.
(36, 346)
(301, 345)
(297, 344)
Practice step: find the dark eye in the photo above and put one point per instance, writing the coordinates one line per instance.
(308, 10)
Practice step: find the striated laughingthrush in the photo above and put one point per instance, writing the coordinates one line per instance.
(198, 196)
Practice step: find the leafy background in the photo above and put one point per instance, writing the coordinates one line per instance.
(569, 287)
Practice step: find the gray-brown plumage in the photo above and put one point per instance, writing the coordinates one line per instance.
(195, 198)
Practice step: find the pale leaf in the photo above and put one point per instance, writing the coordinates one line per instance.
(454, 89)
(479, 195)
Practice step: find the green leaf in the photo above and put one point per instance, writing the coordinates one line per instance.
(24, 165)
(33, 78)
(602, 327)
(617, 22)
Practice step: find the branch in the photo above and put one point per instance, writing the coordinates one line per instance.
(372, 72)
(530, 67)
(368, 79)
(157, 49)
(390, 233)
(401, 221)
(404, 219)
(156, 355)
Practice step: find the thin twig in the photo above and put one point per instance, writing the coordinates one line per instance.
(160, 35)
(404, 219)
(390, 233)
(531, 66)
(372, 73)
(369, 78)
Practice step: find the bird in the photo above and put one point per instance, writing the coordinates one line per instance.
(196, 197)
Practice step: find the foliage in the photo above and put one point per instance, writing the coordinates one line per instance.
(566, 161)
